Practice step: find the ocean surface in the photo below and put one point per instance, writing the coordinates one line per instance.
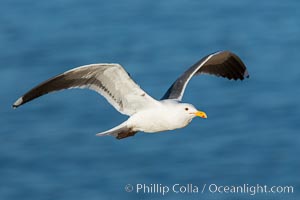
(48, 147)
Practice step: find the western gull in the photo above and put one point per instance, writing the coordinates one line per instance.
(145, 113)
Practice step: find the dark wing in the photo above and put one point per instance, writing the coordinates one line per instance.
(109, 80)
(223, 63)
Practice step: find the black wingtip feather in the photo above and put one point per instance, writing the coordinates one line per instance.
(225, 64)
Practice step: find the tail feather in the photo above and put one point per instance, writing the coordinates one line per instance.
(121, 131)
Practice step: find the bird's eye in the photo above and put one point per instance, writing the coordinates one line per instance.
(186, 109)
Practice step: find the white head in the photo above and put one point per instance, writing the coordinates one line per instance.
(184, 113)
(190, 111)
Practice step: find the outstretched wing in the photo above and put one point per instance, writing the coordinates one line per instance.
(109, 80)
(223, 63)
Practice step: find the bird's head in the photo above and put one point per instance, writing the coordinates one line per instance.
(191, 111)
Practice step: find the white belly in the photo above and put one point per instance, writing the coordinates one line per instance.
(157, 120)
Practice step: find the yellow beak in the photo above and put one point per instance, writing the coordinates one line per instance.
(201, 114)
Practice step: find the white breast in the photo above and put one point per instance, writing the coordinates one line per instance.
(160, 118)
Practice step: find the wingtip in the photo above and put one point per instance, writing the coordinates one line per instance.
(246, 74)
(18, 103)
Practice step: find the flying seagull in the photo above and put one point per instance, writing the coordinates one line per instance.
(145, 113)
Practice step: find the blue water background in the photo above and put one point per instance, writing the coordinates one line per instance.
(48, 147)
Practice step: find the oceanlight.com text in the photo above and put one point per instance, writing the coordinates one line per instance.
(248, 189)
